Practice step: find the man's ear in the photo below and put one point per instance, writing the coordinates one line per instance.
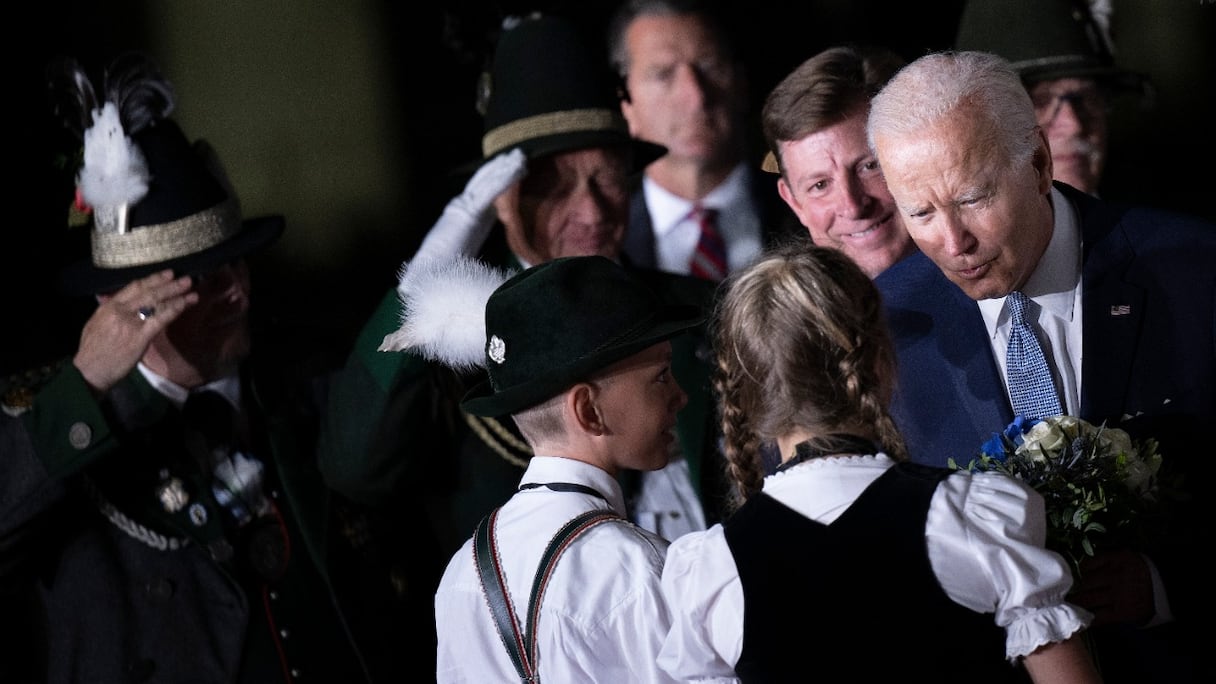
(622, 90)
(787, 194)
(506, 206)
(627, 111)
(581, 402)
(1042, 161)
(519, 241)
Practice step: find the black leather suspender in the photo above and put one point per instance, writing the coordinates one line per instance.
(521, 647)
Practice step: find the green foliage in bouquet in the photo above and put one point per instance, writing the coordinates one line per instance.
(1099, 487)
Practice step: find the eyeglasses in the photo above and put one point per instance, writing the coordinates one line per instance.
(1086, 103)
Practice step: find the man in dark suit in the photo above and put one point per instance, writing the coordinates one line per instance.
(682, 86)
(161, 514)
(1124, 302)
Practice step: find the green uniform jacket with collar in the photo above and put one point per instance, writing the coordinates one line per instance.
(116, 586)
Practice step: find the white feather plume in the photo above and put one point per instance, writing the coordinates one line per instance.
(443, 304)
(1102, 12)
(114, 175)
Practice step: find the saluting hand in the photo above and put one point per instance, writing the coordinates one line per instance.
(118, 333)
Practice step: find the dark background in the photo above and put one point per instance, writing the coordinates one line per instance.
(349, 116)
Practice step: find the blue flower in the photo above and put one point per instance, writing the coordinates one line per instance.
(1002, 444)
(1099, 487)
(994, 447)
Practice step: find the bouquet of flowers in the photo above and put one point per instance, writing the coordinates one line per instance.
(1098, 485)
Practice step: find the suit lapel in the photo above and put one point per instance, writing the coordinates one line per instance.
(639, 234)
(973, 372)
(1113, 308)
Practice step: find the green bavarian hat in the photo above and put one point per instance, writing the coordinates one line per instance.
(1045, 40)
(547, 93)
(157, 200)
(556, 324)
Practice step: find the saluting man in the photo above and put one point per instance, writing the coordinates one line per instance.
(156, 496)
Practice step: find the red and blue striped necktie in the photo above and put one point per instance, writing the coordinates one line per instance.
(709, 259)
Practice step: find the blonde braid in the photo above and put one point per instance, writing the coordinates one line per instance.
(801, 344)
(740, 443)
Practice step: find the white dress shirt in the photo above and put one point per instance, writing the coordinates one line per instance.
(984, 533)
(667, 503)
(1055, 288)
(676, 233)
(602, 619)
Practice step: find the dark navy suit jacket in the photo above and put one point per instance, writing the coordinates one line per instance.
(1148, 360)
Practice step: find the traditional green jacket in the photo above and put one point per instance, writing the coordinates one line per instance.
(132, 584)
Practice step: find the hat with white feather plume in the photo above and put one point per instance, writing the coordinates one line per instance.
(157, 200)
(536, 332)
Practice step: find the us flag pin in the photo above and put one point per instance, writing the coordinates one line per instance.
(1120, 310)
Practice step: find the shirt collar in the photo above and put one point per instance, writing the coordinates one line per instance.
(667, 210)
(228, 387)
(543, 469)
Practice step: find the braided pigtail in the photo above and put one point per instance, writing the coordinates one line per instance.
(740, 443)
(802, 348)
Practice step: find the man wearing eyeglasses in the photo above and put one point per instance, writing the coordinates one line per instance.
(1063, 52)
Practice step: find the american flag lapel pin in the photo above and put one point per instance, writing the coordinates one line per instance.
(1120, 310)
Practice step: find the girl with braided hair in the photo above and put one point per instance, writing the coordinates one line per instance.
(873, 558)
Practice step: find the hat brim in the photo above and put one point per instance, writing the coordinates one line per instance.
(1112, 77)
(482, 400)
(84, 278)
(644, 151)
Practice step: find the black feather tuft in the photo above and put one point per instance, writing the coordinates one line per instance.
(134, 83)
(72, 96)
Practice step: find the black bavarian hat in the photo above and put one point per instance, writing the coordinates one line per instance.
(157, 200)
(1045, 40)
(553, 325)
(547, 93)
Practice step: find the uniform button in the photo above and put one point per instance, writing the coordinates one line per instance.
(274, 596)
(160, 589)
(284, 633)
(198, 514)
(80, 435)
(295, 674)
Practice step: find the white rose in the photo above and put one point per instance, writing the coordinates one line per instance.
(1072, 427)
(1044, 439)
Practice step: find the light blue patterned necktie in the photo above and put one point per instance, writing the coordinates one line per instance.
(1031, 386)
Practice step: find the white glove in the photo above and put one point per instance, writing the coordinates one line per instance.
(468, 217)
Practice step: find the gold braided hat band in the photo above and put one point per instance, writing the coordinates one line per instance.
(553, 123)
(165, 241)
